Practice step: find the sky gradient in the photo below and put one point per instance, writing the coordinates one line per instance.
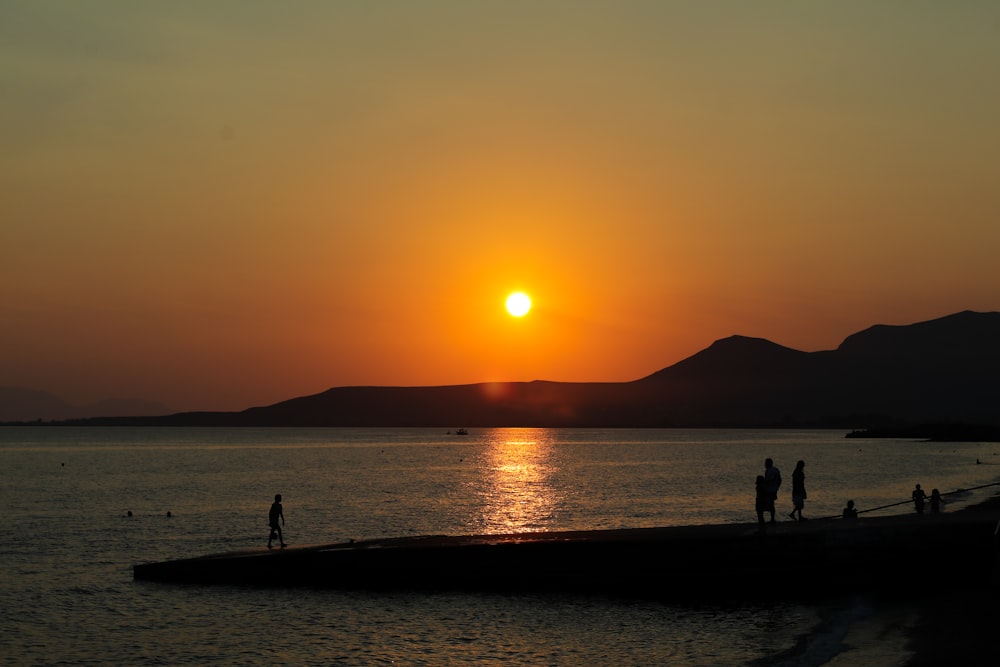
(227, 204)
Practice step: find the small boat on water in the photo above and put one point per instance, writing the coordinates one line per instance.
(462, 431)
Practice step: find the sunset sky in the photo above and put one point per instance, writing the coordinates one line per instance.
(216, 205)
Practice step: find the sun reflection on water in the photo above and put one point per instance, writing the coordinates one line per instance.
(516, 469)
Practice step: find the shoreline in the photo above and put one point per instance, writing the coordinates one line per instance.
(803, 561)
(956, 626)
(928, 627)
(914, 624)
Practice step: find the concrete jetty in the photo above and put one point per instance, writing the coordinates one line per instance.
(798, 559)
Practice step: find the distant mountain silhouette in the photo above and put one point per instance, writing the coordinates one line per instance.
(937, 371)
(944, 370)
(18, 404)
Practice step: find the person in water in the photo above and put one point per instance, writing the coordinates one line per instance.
(798, 491)
(918, 499)
(850, 512)
(272, 518)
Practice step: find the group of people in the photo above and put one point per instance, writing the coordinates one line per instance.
(767, 486)
(919, 497)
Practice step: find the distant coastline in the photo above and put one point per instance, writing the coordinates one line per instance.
(940, 375)
(934, 432)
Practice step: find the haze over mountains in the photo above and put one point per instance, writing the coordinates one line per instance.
(20, 404)
(942, 370)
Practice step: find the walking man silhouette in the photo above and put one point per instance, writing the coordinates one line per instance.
(272, 518)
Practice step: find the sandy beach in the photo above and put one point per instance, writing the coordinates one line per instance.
(923, 628)
(956, 626)
(952, 626)
(865, 634)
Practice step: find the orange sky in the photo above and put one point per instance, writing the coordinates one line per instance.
(227, 204)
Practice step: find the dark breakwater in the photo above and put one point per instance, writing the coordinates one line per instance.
(792, 559)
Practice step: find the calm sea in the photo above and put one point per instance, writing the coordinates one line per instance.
(68, 596)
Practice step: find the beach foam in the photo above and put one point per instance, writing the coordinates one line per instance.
(878, 640)
(854, 633)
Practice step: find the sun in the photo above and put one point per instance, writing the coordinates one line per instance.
(518, 304)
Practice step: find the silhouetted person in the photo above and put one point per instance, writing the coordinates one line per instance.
(272, 517)
(772, 478)
(763, 501)
(918, 499)
(798, 491)
(935, 501)
(850, 512)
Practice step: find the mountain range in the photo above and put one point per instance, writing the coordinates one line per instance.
(945, 370)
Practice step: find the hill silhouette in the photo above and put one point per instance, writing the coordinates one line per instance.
(942, 371)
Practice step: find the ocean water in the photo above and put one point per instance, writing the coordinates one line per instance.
(68, 597)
